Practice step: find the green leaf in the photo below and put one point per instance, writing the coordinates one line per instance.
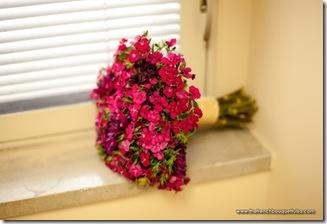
(109, 158)
(100, 149)
(122, 56)
(134, 148)
(170, 152)
(182, 137)
(163, 178)
(170, 163)
(155, 168)
(182, 116)
(142, 181)
(120, 137)
(195, 104)
(137, 129)
(101, 152)
(127, 99)
(106, 114)
(128, 65)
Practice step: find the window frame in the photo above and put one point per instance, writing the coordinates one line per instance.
(56, 120)
(46, 121)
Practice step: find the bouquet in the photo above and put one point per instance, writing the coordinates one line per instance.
(146, 113)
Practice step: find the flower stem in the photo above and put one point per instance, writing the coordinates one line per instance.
(236, 110)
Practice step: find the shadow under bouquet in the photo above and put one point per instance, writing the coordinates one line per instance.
(146, 112)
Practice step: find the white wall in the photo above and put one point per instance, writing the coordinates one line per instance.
(285, 74)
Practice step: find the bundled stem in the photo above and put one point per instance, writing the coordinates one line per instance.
(236, 109)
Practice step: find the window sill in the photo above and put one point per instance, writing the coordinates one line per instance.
(63, 171)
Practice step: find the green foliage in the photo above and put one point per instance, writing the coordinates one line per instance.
(128, 64)
(106, 114)
(128, 99)
(109, 158)
(182, 116)
(163, 178)
(142, 181)
(170, 157)
(137, 129)
(182, 137)
(101, 152)
(121, 137)
(135, 151)
(122, 56)
(155, 166)
(236, 110)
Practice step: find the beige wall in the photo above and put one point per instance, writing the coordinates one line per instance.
(285, 75)
(192, 45)
(274, 47)
(229, 45)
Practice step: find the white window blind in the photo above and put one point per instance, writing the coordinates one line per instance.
(51, 48)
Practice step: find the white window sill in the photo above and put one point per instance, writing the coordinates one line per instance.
(64, 171)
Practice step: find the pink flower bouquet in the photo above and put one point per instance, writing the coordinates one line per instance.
(146, 113)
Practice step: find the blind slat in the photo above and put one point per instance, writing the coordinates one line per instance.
(76, 28)
(67, 7)
(50, 74)
(63, 90)
(26, 56)
(46, 84)
(49, 9)
(87, 16)
(85, 38)
(65, 51)
(54, 63)
(35, 65)
(22, 3)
